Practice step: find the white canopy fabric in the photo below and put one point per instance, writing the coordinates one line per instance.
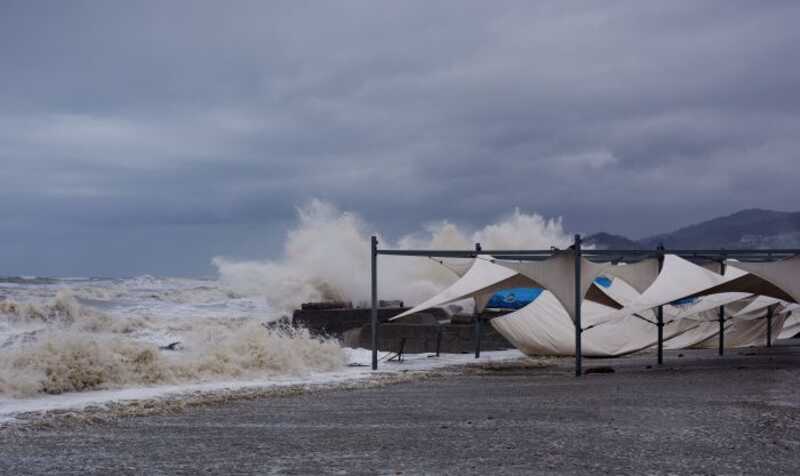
(482, 280)
(459, 267)
(791, 326)
(639, 275)
(741, 333)
(752, 284)
(678, 279)
(757, 304)
(557, 275)
(699, 331)
(620, 291)
(544, 328)
(697, 309)
(783, 274)
(703, 326)
(790, 308)
(745, 331)
(484, 277)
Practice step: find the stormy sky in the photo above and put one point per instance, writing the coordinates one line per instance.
(148, 137)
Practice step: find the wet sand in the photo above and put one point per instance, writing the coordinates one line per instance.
(698, 414)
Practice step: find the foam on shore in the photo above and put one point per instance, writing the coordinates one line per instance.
(72, 349)
(82, 406)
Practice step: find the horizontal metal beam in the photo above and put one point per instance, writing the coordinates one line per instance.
(466, 253)
(698, 252)
(613, 255)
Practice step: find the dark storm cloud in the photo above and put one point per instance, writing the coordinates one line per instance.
(127, 121)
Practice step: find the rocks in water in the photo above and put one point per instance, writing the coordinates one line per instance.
(282, 322)
(172, 346)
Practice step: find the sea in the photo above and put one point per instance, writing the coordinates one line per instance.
(73, 343)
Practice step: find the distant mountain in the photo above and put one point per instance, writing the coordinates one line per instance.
(753, 228)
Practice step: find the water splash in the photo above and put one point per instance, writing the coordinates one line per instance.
(326, 257)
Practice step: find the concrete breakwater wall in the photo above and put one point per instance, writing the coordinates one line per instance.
(423, 338)
(421, 333)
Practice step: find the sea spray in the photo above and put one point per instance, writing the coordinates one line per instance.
(326, 257)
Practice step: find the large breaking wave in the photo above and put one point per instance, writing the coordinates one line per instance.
(81, 334)
(327, 257)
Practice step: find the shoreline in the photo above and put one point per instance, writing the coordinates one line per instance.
(699, 413)
(107, 405)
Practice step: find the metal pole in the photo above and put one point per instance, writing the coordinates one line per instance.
(374, 313)
(722, 317)
(578, 302)
(660, 311)
(769, 326)
(660, 325)
(477, 318)
(477, 336)
(721, 330)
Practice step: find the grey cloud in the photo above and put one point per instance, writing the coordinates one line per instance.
(627, 117)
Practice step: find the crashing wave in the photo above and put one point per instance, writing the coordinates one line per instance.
(326, 257)
(61, 346)
(59, 361)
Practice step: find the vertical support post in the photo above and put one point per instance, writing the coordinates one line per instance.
(660, 324)
(477, 316)
(374, 312)
(770, 311)
(477, 336)
(578, 302)
(402, 349)
(722, 316)
(721, 330)
(660, 311)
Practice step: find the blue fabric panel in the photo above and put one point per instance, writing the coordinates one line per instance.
(515, 298)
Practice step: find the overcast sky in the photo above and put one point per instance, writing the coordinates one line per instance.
(148, 137)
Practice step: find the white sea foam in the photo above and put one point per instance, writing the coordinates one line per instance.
(74, 349)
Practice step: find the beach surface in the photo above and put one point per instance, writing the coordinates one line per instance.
(697, 414)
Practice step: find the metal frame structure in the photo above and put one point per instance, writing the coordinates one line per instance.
(616, 256)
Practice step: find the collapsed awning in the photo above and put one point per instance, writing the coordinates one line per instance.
(677, 280)
(484, 279)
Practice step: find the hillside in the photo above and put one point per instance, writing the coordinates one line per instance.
(754, 228)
